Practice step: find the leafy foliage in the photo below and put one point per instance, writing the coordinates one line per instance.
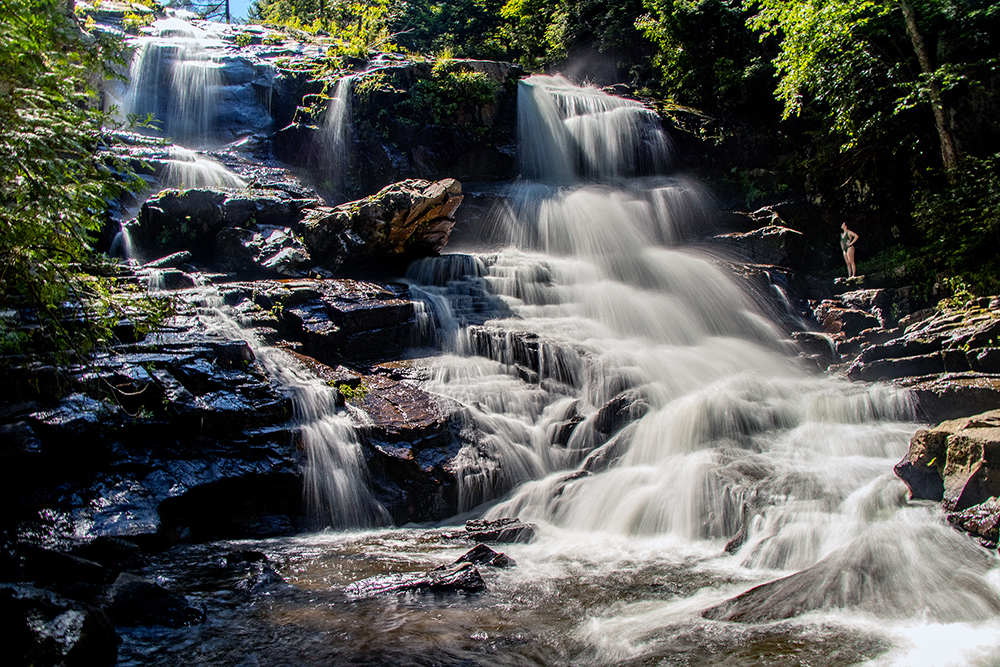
(450, 93)
(54, 184)
(961, 222)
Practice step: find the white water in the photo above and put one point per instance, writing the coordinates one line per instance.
(187, 169)
(598, 279)
(336, 132)
(176, 77)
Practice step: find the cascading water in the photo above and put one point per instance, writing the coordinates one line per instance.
(187, 169)
(176, 77)
(335, 489)
(336, 135)
(604, 319)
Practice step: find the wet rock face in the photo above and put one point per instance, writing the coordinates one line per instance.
(133, 601)
(425, 129)
(463, 577)
(773, 244)
(268, 232)
(42, 628)
(957, 462)
(334, 320)
(981, 521)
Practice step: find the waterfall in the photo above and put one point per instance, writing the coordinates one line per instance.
(336, 493)
(188, 169)
(621, 382)
(567, 131)
(176, 77)
(336, 132)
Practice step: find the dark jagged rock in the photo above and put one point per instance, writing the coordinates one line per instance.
(957, 462)
(133, 601)
(334, 319)
(251, 505)
(189, 220)
(505, 530)
(626, 407)
(264, 250)
(981, 521)
(773, 244)
(483, 555)
(954, 395)
(462, 577)
(113, 553)
(41, 628)
(45, 566)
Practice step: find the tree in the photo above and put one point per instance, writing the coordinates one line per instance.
(54, 184)
(849, 56)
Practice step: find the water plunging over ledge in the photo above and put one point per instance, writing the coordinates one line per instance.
(630, 398)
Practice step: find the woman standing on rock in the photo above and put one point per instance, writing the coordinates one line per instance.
(847, 240)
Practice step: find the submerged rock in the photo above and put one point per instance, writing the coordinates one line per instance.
(462, 577)
(880, 576)
(133, 601)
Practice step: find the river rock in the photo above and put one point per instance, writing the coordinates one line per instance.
(42, 628)
(507, 529)
(400, 222)
(264, 250)
(483, 555)
(332, 320)
(133, 601)
(462, 577)
(957, 461)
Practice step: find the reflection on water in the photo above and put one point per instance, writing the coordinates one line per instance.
(595, 600)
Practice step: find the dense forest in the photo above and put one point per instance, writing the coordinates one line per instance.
(880, 112)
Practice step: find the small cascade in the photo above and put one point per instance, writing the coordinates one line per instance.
(336, 493)
(122, 245)
(176, 77)
(199, 89)
(336, 132)
(187, 169)
(567, 132)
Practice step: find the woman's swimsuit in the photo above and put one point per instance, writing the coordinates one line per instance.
(845, 241)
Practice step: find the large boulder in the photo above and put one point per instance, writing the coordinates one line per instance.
(401, 222)
(957, 461)
(773, 244)
(176, 220)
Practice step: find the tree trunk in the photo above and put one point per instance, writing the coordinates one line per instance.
(949, 152)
